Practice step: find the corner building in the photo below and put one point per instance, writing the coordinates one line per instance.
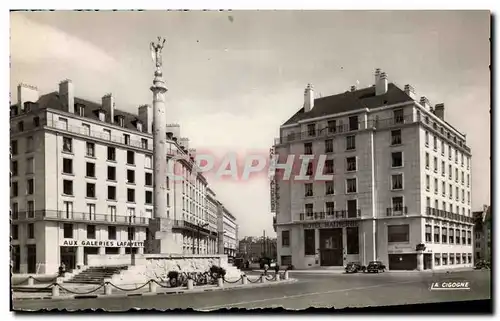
(400, 191)
(82, 182)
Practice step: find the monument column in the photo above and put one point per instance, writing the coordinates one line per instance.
(160, 225)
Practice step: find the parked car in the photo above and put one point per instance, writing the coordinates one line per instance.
(354, 267)
(267, 260)
(482, 264)
(375, 266)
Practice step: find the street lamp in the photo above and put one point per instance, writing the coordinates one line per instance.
(131, 237)
(200, 226)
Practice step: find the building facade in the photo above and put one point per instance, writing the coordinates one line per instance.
(212, 212)
(254, 248)
(482, 234)
(388, 179)
(82, 182)
(228, 232)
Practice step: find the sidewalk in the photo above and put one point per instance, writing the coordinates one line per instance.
(82, 289)
(342, 271)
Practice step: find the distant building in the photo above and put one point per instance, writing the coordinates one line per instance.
(254, 248)
(228, 232)
(482, 234)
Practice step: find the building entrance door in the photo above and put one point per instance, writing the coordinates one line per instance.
(68, 257)
(31, 258)
(427, 261)
(330, 247)
(16, 258)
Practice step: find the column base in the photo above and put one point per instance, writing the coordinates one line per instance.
(163, 241)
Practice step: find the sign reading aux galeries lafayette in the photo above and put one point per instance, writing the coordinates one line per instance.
(331, 224)
(102, 243)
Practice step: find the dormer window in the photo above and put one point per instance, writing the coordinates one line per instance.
(80, 110)
(102, 115)
(120, 119)
(139, 126)
(27, 107)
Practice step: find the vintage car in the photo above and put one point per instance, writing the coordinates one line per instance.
(482, 264)
(375, 266)
(354, 267)
(271, 263)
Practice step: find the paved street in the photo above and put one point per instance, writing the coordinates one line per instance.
(318, 290)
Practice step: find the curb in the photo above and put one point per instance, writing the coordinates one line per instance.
(124, 295)
(387, 271)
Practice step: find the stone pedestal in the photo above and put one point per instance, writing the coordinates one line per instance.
(420, 260)
(164, 241)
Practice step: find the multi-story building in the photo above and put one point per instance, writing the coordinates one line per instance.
(82, 182)
(228, 232)
(397, 186)
(482, 233)
(254, 248)
(212, 212)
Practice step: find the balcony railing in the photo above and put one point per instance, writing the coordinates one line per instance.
(79, 216)
(449, 215)
(329, 215)
(396, 211)
(182, 224)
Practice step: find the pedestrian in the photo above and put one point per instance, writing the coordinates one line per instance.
(62, 269)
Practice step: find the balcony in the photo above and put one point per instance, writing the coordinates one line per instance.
(185, 225)
(448, 215)
(80, 217)
(330, 215)
(397, 211)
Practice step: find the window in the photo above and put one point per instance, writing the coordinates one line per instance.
(351, 185)
(286, 260)
(20, 126)
(309, 242)
(435, 143)
(329, 146)
(427, 160)
(397, 181)
(308, 188)
(330, 208)
(350, 142)
(148, 179)
(437, 259)
(14, 168)
(329, 166)
(463, 178)
(427, 182)
(130, 157)
(90, 149)
(91, 232)
(112, 212)
(309, 170)
(111, 173)
(457, 236)
(126, 139)
(468, 182)
(31, 208)
(112, 232)
(452, 258)
(332, 126)
(435, 165)
(351, 164)
(426, 138)
(14, 189)
(311, 129)
(285, 238)
(352, 240)
(67, 145)
(31, 231)
(144, 143)
(111, 154)
(450, 152)
(468, 197)
(463, 237)
(435, 185)
(91, 190)
(13, 147)
(451, 193)
(443, 169)
(149, 197)
(463, 196)
(67, 166)
(428, 234)
(30, 165)
(130, 195)
(130, 176)
(398, 233)
(442, 148)
(445, 258)
(90, 170)
(353, 123)
(130, 233)
(444, 235)
(456, 157)
(308, 148)
(15, 231)
(329, 188)
(397, 159)
(30, 186)
(29, 144)
(456, 175)
(397, 203)
(456, 194)
(91, 210)
(15, 211)
(443, 189)
(148, 162)
(68, 231)
(452, 236)
(396, 137)
(469, 237)
(36, 121)
(112, 193)
(398, 116)
(436, 234)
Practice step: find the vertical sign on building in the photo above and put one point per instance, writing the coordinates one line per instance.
(272, 183)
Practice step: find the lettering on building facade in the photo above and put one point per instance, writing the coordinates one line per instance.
(332, 224)
(102, 243)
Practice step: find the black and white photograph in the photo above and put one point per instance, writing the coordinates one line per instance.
(205, 160)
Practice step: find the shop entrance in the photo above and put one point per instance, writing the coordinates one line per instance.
(330, 247)
(427, 261)
(31, 258)
(112, 250)
(87, 251)
(68, 257)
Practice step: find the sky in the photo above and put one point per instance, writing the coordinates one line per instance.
(234, 77)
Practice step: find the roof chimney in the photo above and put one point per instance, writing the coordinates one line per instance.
(146, 116)
(26, 93)
(108, 104)
(381, 85)
(439, 111)
(377, 75)
(410, 91)
(67, 95)
(425, 102)
(353, 88)
(308, 98)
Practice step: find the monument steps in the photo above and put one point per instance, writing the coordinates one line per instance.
(97, 274)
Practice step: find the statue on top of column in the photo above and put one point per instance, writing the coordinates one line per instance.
(156, 52)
